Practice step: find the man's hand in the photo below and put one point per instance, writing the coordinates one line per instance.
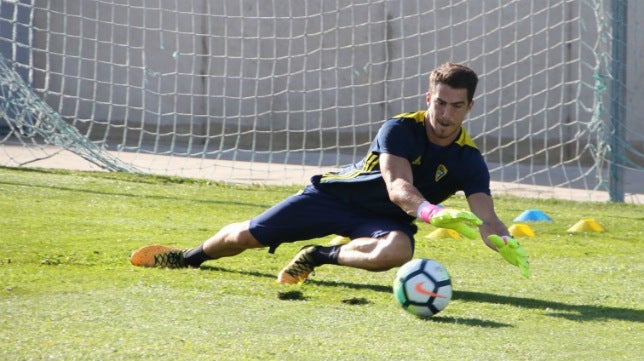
(512, 252)
(462, 222)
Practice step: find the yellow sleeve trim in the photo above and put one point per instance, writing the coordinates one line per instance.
(369, 165)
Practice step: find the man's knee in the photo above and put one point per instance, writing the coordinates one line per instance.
(239, 234)
(394, 250)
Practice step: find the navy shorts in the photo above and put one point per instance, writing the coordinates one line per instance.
(314, 213)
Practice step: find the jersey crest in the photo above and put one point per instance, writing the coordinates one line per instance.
(441, 171)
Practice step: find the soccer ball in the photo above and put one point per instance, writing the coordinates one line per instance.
(423, 287)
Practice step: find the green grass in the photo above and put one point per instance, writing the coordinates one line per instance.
(68, 292)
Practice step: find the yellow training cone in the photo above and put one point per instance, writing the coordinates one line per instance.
(521, 230)
(586, 225)
(443, 233)
(339, 240)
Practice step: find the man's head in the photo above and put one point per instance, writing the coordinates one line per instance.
(449, 100)
(456, 76)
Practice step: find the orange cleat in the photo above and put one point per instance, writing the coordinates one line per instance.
(158, 256)
(299, 268)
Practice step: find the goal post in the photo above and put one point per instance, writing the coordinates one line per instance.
(224, 89)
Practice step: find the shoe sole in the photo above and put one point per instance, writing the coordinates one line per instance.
(286, 279)
(144, 256)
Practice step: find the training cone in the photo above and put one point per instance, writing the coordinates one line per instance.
(532, 215)
(586, 225)
(443, 233)
(339, 240)
(521, 230)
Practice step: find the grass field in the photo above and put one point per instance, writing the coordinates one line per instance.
(68, 292)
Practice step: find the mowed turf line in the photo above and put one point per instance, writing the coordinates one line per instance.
(68, 292)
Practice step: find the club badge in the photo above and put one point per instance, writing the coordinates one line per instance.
(441, 171)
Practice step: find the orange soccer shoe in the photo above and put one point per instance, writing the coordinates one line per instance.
(158, 256)
(299, 268)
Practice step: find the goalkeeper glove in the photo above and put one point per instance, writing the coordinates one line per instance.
(512, 252)
(462, 222)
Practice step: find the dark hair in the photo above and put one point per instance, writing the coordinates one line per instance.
(456, 76)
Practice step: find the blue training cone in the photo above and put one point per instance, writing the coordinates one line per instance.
(533, 215)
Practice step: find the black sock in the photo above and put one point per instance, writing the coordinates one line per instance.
(326, 255)
(196, 256)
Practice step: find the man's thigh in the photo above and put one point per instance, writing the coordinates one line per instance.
(314, 214)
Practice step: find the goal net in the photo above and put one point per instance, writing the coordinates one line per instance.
(273, 91)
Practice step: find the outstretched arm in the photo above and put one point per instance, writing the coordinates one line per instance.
(495, 234)
(482, 205)
(398, 176)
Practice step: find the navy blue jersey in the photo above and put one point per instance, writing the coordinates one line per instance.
(438, 171)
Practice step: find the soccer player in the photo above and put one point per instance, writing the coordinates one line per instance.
(416, 161)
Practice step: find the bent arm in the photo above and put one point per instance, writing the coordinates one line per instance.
(398, 176)
(482, 205)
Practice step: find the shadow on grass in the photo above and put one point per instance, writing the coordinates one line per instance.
(467, 322)
(556, 309)
(355, 286)
(371, 287)
(571, 312)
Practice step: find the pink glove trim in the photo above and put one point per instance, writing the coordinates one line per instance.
(426, 211)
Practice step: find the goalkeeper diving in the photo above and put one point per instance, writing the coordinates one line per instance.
(416, 161)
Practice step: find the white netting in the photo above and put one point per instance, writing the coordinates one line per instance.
(262, 90)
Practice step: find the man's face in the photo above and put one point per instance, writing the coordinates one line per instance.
(447, 108)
